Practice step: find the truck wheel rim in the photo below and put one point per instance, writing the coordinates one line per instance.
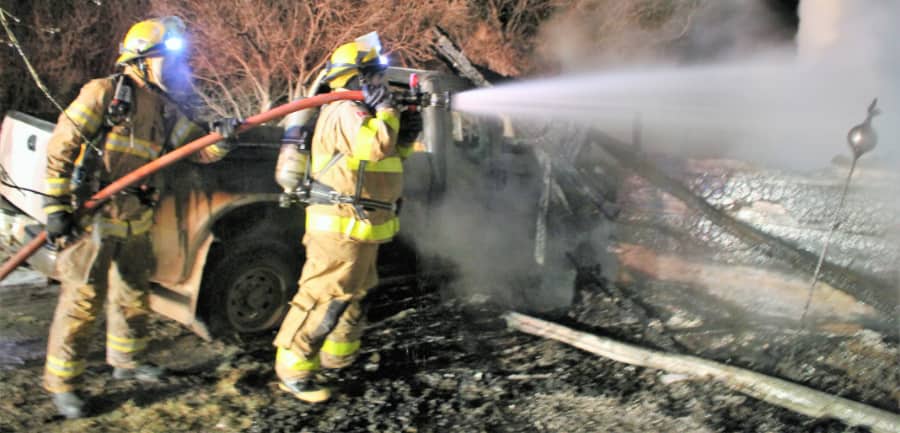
(254, 300)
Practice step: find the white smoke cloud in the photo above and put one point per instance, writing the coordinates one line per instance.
(773, 107)
(787, 105)
(852, 42)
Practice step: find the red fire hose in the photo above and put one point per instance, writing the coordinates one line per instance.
(175, 155)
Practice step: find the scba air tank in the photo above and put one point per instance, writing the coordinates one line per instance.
(293, 159)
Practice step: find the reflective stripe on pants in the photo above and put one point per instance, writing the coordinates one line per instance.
(342, 345)
(109, 227)
(351, 227)
(291, 366)
(336, 276)
(120, 273)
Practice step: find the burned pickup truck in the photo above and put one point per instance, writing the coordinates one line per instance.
(228, 256)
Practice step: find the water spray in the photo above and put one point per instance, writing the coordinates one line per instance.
(862, 139)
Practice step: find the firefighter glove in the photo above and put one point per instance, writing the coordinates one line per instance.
(410, 126)
(60, 225)
(226, 127)
(377, 97)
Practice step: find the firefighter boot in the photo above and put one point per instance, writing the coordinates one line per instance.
(143, 373)
(306, 390)
(69, 405)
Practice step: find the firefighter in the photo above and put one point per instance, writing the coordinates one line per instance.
(115, 125)
(356, 156)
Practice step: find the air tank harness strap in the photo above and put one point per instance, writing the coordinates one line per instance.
(146, 194)
(320, 193)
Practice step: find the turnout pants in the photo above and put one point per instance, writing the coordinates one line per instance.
(325, 321)
(117, 270)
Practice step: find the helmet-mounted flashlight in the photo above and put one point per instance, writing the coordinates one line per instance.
(174, 44)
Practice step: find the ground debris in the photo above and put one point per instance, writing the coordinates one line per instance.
(446, 364)
(770, 389)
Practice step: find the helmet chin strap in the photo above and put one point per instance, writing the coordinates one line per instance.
(148, 74)
(154, 74)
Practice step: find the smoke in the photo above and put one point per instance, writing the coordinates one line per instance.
(722, 81)
(763, 102)
(600, 34)
(853, 43)
(485, 223)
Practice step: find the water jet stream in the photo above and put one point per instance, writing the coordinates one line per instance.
(776, 112)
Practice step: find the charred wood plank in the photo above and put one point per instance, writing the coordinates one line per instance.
(449, 51)
(801, 399)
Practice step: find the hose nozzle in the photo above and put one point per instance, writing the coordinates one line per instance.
(415, 99)
(424, 99)
(439, 99)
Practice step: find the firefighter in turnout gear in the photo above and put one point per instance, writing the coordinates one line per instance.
(356, 156)
(115, 125)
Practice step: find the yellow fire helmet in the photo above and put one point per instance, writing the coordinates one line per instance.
(152, 38)
(348, 59)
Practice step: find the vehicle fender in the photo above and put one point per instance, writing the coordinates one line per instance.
(179, 302)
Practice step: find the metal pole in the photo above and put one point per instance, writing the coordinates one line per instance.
(834, 226)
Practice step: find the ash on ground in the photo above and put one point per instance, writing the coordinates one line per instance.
(432, 362)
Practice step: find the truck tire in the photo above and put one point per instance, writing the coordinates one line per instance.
(247, 290)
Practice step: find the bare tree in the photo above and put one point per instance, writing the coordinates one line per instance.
(504, 36)
(249, 55)
(68, 42)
